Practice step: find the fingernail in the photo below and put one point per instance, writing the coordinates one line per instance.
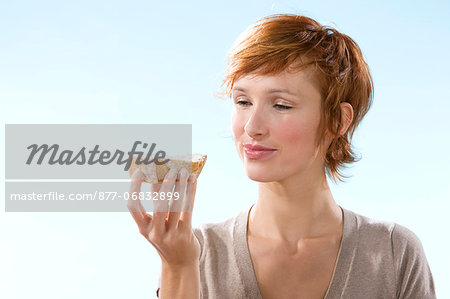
(184, 174)
(172, 174)
(137, 174)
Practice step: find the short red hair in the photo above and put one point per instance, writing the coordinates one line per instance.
(278, 42)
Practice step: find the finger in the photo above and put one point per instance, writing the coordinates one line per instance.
(135, 206)
(151, 177)
(186, 214)
(154, 187)
(176, 205)
(135, 187)
(149, 171)
(154, 191)
(160, 204)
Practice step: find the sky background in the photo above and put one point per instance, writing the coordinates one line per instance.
(161, 63)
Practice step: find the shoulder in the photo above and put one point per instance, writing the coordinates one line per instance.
(376, 232)
(371, 236)
(367, 226)
(395, 247)
(404, 239)
(400, 237)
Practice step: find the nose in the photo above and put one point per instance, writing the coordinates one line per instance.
(256, 125)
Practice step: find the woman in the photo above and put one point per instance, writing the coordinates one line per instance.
(299, 92)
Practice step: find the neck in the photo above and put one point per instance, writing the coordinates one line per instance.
(293, 210)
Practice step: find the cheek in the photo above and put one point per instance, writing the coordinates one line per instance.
(294, 132)
(297, 140)
(236, 123)
(236, 129)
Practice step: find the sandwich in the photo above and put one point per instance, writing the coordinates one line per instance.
(155, 173)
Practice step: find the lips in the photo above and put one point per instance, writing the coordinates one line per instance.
(257, 147)
(256, 151)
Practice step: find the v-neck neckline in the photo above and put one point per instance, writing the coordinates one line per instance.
(341, 269)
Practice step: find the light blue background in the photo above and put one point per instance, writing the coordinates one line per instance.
(161, 62)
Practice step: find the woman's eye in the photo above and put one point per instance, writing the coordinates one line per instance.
(242, 103)
(282, 107)
(247, 103)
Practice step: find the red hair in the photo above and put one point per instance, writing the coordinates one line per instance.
(278, 42)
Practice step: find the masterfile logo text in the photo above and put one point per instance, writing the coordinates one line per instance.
(83, 167)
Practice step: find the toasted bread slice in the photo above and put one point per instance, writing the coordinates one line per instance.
(153, 172)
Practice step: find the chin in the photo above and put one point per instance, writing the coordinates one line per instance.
(260, 176)
(260, 179)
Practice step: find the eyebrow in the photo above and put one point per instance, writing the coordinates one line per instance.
(270, 90)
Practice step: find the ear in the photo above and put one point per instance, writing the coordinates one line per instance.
(346, 117)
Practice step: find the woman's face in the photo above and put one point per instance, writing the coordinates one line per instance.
(281, 113)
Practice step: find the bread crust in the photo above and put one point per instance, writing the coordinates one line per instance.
(195, 166)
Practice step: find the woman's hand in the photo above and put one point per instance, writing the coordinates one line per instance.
(169, 228)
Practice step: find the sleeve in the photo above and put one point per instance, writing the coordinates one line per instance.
(414, 278)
